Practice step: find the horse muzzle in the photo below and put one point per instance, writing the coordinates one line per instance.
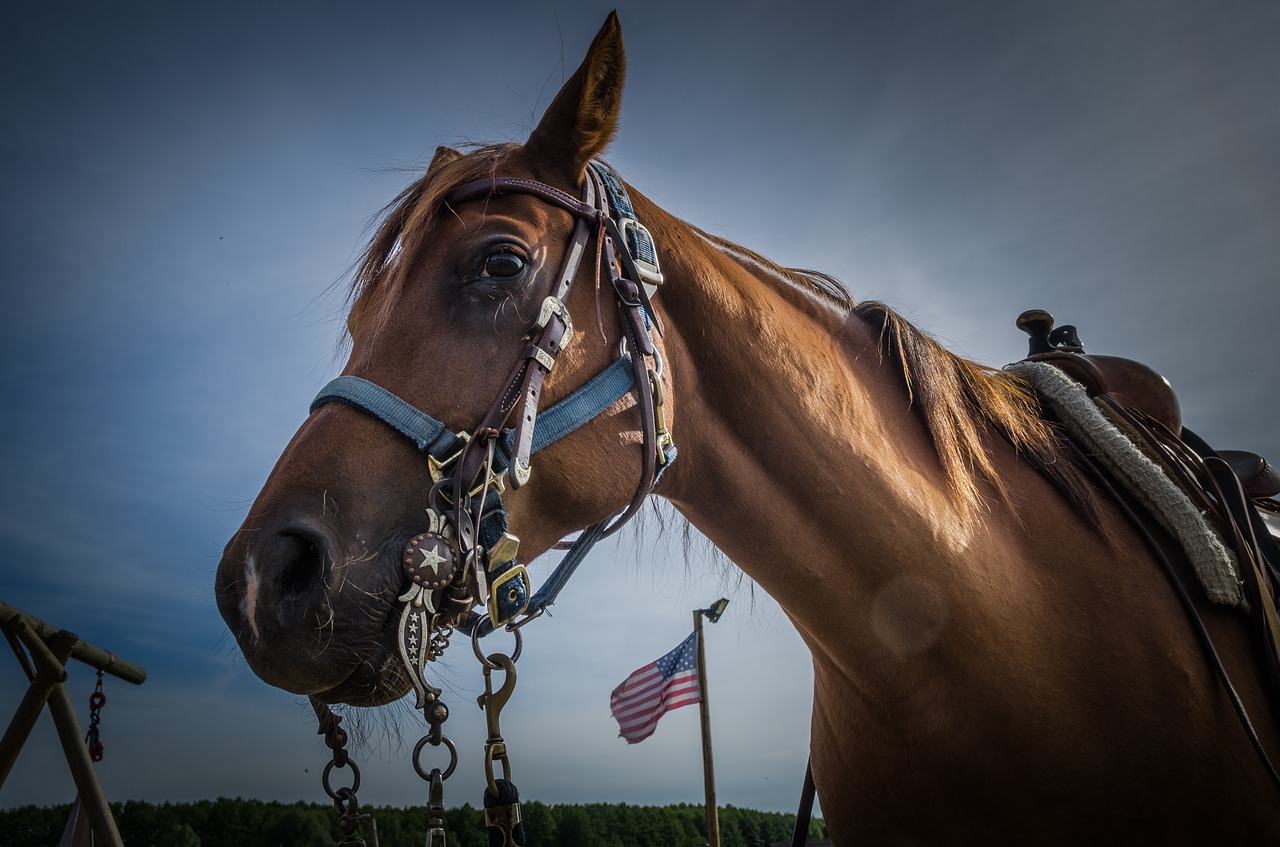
(308, 618)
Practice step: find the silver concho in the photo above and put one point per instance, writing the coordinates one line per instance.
(429, 564)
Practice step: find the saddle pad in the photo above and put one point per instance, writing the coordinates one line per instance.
(1215, 565)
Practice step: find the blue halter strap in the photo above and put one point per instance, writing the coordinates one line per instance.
(437, 440)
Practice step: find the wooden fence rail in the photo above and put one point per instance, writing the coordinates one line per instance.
(44, 660)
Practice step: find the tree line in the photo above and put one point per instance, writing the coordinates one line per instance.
(255, 823)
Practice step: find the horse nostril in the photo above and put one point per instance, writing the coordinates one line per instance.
(302, 561)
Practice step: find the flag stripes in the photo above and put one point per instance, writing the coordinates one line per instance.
(655, 689)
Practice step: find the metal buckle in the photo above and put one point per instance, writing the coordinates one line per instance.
(508, 595)
(438, 469)
(554, 306)
(644, 251)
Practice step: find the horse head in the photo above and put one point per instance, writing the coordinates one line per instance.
(449, 308)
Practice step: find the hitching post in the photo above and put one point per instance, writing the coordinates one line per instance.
(704, 707)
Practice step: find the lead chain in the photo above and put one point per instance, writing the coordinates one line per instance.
(344, 797)
(436, 713)
(439, 640)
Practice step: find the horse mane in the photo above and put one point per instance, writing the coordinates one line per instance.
(959, 399)
(381, 269)
(400, 236)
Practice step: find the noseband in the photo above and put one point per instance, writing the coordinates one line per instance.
(466, 556)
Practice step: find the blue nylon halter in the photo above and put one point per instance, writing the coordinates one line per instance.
(577, 409)
(434, 438)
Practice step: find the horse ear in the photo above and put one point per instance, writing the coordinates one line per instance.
(444, 155)
(583, 117)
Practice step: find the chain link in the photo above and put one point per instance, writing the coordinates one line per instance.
(435, 713)
(439, 641)
(344, 797)
(96, 701)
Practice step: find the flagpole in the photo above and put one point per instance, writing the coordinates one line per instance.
(704, 707)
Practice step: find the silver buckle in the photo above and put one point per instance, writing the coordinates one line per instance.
(638, 234)
(553, 306)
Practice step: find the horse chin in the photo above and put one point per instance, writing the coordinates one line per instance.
(370, 685)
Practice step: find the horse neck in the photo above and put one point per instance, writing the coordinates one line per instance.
(801, 457)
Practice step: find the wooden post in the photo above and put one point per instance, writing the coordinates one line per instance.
(708, 766)
(50, 649)
(49, 672)
(92, 656)
(92, 797)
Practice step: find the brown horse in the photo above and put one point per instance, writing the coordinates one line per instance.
(997, 658)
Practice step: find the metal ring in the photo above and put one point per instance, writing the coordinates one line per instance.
(657, 357)
(328, 769)
(623, 352)
(417, 753)
(475, 644)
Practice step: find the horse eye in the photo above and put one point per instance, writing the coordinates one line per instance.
(502, 265)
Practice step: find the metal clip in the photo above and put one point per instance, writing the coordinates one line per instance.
(435, 811)
(660, 419)
(495, 748)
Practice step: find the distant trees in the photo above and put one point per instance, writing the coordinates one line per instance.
(254, 823)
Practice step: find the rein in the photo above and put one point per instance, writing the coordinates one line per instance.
(466, 556)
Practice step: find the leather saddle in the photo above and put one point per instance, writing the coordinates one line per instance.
(1234, 489)
(1141, 389)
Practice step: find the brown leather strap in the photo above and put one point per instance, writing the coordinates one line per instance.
(804, 813)
(523, 387)
(522, 390)
(1258, 591)
(1217, 492)
(505, 184)
(1193, 615)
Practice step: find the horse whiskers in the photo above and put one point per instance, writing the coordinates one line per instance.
(320, 630)
(346, 582)
(368, 556)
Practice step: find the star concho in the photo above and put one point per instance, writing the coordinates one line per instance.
(428, 561)
(429, 564)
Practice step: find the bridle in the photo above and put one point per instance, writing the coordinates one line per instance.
(466, 556)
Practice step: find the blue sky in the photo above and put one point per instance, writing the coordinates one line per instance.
(185, 187)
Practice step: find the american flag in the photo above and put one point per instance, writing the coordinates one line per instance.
(655, 689)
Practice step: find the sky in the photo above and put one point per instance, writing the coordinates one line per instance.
(185, 187)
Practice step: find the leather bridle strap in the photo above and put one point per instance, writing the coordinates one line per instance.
(524, 385)
(552, 332)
